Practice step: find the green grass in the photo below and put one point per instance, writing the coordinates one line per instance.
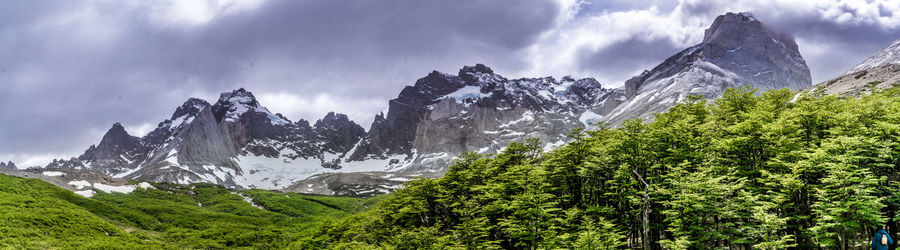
(36, 214)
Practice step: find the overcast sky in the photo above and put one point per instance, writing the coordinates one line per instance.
(69, 69)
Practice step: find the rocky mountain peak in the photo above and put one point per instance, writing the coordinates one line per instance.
(480, 75)
(114, 144)
(427, 88)
(238, 97)
(8, 165)
(477, 69)
(116, 135)
(232, 105)
(732, 30)
(332, 119)
(737, 50)
(338, 132)
(191, 107)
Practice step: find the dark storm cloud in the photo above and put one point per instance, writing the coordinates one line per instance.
(629, 56)
(70, 69)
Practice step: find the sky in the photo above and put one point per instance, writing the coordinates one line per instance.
(70, 69)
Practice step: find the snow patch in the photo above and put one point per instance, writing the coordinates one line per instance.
(467, 92)
(114, 189)
(528, 116)
(248, 200)
(85, 193)
(81, 184)
(53, 173)
(589, 117)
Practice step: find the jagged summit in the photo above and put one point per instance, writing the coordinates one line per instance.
(332, 118)
(737, 50)
(338, 133)
(478, 68)
(232, 105)
(888, 55)
(117, 137)
(8, 165)
(191, 107)
(117, 129)
(733, 29)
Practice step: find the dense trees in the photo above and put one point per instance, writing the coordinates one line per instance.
(771, 170)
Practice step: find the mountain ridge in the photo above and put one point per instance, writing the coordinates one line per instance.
(238, 143)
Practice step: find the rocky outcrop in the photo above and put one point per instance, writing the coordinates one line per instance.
(737, 50)
(393, 134)
(338, 133)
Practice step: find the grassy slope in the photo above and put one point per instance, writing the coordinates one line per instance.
(36, 214)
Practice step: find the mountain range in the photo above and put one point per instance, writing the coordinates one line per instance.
(238, 143)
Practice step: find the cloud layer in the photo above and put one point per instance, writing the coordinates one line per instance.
(70, 69)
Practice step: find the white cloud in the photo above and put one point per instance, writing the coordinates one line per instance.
(23, 161)
(557, 53)
(191, 13)
(141, 129)
(316, 106)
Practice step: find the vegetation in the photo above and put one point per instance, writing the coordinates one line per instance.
(38, 215)
(767, 171)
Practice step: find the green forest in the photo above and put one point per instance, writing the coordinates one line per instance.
(769, 170)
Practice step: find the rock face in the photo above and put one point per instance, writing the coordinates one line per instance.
(337, 133)
(889, 55)
(443, 115)
(737, 50)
